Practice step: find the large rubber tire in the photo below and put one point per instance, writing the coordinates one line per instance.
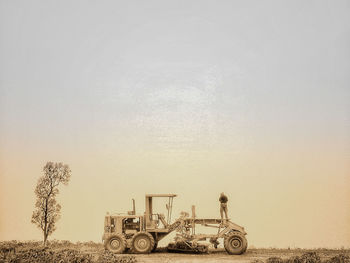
(142, 243)
(116, 244)
(235, 243)
(245, 248)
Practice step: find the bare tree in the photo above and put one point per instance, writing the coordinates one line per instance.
(47, 210)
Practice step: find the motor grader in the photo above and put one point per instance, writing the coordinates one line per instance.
(141, 233)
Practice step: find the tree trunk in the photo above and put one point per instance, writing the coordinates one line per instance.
(45, 222)
(45, 239)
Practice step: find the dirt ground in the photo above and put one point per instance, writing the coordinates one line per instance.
(90, 252)
(220, 255)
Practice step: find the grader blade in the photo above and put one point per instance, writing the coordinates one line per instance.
(187, 247)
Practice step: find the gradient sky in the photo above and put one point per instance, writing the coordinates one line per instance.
(190, 97)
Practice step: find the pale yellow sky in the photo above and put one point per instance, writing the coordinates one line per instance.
(189, 97)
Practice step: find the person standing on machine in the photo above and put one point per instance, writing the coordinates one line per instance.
(223, 205)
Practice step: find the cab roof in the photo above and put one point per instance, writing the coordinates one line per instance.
(161, 195)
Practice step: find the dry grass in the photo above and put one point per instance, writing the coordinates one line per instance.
(310, 257)
(90, 252)
(58, 251)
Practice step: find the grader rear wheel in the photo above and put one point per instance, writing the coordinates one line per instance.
(235, 243)
(142, 243)
(116, 244)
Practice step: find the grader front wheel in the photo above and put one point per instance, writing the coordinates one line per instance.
(142, 242)
(245, 248)
(235, 243)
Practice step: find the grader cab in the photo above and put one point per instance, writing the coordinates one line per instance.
(141, 233)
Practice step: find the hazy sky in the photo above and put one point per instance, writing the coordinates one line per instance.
(190, 97)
